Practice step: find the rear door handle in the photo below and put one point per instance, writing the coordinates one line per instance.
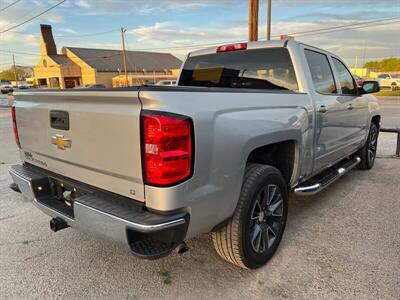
(350, 106)
(322, 109)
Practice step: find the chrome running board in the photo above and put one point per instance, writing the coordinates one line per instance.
(311, 189)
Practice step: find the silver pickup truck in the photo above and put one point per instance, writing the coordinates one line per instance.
(153, 166)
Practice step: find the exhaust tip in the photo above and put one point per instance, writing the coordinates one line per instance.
(57, 224)
(182, 248)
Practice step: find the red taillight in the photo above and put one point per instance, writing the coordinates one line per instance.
(167, 147)
(15, 128)
(232, 47)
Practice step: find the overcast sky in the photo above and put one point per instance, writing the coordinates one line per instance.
(176, 24)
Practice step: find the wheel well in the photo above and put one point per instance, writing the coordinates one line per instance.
(376, 120)
(280, 155)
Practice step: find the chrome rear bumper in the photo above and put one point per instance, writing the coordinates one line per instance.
(146, 234)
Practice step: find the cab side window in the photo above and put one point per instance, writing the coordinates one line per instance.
(321, 72)
(345, 79)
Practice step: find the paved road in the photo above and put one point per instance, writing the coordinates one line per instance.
(342, 243)
(3, 100)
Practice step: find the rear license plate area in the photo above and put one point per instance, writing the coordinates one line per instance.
(62, 197)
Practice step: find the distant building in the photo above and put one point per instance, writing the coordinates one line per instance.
(82, 66)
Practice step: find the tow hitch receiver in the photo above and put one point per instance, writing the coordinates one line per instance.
(57, 224)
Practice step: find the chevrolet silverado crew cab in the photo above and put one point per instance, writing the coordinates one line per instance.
(153, 166)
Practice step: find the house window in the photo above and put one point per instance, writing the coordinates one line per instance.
(44, 63)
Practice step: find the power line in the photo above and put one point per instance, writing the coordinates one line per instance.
(34, 17)
(73, 56)
(343, 29)
(20, 52)
(344, 26)
(10, 63)
(302, 33)
(86, 34)
(11, 4)
(70, 36)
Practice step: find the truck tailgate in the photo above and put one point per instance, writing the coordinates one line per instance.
(101, 146)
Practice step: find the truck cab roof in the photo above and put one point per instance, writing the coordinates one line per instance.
(259, 45)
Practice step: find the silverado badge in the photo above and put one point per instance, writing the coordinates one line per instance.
(61, 142)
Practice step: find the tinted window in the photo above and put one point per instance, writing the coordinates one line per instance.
(383, 76)
(321, 72)
(253, 69)
(345, 78)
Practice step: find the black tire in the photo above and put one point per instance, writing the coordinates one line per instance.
(251, 223)
(368, 152)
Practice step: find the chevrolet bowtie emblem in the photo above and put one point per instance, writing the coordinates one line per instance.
(61, 142)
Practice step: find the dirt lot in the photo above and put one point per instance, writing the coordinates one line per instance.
(342, 243)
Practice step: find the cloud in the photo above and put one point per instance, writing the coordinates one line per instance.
(18, 39)
(114, 7)
(68, 30)
(179, 35)
(20, 13)
(83, 4)
(376, 41)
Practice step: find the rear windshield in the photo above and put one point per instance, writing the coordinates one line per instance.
(270, 69)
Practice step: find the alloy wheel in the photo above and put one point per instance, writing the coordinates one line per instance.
(373, 140)
(266, 219)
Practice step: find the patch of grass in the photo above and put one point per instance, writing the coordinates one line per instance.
(388, 93)
(2, 163)
(26, 242)
(165, 276)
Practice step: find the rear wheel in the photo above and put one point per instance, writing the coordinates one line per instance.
(253, 234)
(368, 152)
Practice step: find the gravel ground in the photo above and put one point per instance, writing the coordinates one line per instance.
(341, 243)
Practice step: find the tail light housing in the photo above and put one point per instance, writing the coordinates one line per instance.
(167, 146)
(15, 128)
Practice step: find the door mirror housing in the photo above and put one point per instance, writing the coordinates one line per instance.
(369, 87)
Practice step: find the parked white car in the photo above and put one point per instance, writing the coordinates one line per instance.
(5, 86)
(388, 80)
(166, 82)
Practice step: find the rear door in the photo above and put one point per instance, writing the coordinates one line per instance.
(89, 136)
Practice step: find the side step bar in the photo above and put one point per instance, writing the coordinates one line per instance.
(308, 190)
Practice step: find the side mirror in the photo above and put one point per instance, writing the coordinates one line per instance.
(369, 87)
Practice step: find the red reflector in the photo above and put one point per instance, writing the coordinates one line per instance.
(232, 47)
(167, 149)
(15, 128)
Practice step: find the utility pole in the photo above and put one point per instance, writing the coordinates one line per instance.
(15, 71)
(253, 20)
(123, 30)
(269, 20)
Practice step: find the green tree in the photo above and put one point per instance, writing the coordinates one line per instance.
(391, 64)
(22, 73)
(7, 75)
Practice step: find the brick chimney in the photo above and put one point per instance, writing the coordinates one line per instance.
(47, 44)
